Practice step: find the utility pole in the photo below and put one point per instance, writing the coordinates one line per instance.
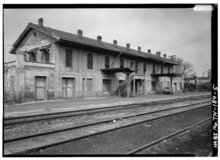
(196, 83)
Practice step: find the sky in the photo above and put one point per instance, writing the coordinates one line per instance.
(182, 32)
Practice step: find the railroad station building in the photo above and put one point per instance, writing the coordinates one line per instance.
(53, 64)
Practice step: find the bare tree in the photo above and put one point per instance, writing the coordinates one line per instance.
(185, 68)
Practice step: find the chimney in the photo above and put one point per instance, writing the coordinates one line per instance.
(99, 39)
(139, 49)
(128, 46)
(40, 22)
(158, 54)
(80, 33)
(164, 55)
(148, 51)
(115, 43)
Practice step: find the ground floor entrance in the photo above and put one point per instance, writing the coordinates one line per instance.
(40, 88)
(68, 87)
(107, 86)
(137, 87)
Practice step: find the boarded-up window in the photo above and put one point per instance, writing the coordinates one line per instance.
(12, 84)
(89, 61)
(68, 58)
(89, 84)
(107, 62)
(121, 63)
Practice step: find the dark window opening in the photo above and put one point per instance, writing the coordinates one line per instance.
(136, 67)
(45, 57)
(32, 57)
(132, 65)
(168, 69)
(89, 61)
(145, 68)
(161, 69)
(121, 63)
(68, 58)
(153, 69)
(107, 62)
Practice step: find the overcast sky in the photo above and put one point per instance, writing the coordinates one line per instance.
(181, 32)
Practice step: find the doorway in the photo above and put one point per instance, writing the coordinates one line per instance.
(68, 87)
(40, 88)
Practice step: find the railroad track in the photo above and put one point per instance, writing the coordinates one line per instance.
(29, 143)
(48, 116)
(88, 120)
(146, 146)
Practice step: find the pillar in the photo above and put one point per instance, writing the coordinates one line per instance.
(171, 79)
(134, 85)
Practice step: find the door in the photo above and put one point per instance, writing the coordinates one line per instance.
(175, 85)
(153, 86)
(40, 86)
(68, 87)
(107, 85)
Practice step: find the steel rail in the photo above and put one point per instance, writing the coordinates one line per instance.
(47, 116)
(166, 137)
(101, 122)
(92, 134)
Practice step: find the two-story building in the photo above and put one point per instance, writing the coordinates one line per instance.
(53, 64)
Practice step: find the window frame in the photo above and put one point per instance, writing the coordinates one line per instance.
(121, 63)
(153, 69)
(144, 68)
(89, 61)
(131, 64)
(161, 69)
(136, 66)
(107, 62)
(69, 58)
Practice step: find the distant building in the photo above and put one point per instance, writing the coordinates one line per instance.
(53, 64)
(199, 80)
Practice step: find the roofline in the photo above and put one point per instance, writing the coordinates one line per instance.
(58, 38)
(30, 25)
(122, 51)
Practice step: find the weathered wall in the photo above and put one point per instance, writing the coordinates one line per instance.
(31, 73)
(26, 72)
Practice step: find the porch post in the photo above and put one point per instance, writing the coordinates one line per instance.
(171, 79)
(134, 85)
(128, 85)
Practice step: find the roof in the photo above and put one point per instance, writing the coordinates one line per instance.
(115, 70)
(166, 75)
(65, 36)
(189, 78)
(203, 78)
(198, 78)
